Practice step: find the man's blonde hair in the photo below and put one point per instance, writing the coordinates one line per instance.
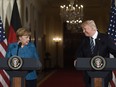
(91, 23)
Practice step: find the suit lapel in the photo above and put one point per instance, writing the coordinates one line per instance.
(88, 46)
(97, 46)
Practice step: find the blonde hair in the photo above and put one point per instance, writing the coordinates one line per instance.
(91, 23)
(23, 32)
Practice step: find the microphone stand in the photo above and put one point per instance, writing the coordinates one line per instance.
(22, 79)
(19, 45)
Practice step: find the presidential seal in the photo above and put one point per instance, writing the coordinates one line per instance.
(98, 63)
(15, 62)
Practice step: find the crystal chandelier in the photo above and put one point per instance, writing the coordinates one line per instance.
(72, 14)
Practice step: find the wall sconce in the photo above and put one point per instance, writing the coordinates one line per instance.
(57, 39)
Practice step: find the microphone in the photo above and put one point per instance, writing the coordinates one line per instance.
(19, 45)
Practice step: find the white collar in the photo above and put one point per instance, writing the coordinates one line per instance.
(95, 35)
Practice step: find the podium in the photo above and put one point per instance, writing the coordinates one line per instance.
(97, 76)
(19, 74)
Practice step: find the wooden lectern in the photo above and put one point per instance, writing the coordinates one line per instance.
(17, 77)
(97, 76)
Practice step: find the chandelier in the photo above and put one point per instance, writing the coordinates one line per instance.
(72, 14)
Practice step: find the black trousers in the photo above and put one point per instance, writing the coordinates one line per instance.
(31, 83)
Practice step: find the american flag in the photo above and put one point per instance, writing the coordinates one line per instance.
(112, 33)
(4, 77)
(112, 27)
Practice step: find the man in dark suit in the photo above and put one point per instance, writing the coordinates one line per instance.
(103, 45)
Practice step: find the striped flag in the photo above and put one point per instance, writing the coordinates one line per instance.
(4, 77)
(112, 33)
(15, 23)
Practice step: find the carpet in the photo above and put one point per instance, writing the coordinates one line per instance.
(64, 78)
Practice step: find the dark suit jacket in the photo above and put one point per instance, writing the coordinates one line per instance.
(104, 46)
